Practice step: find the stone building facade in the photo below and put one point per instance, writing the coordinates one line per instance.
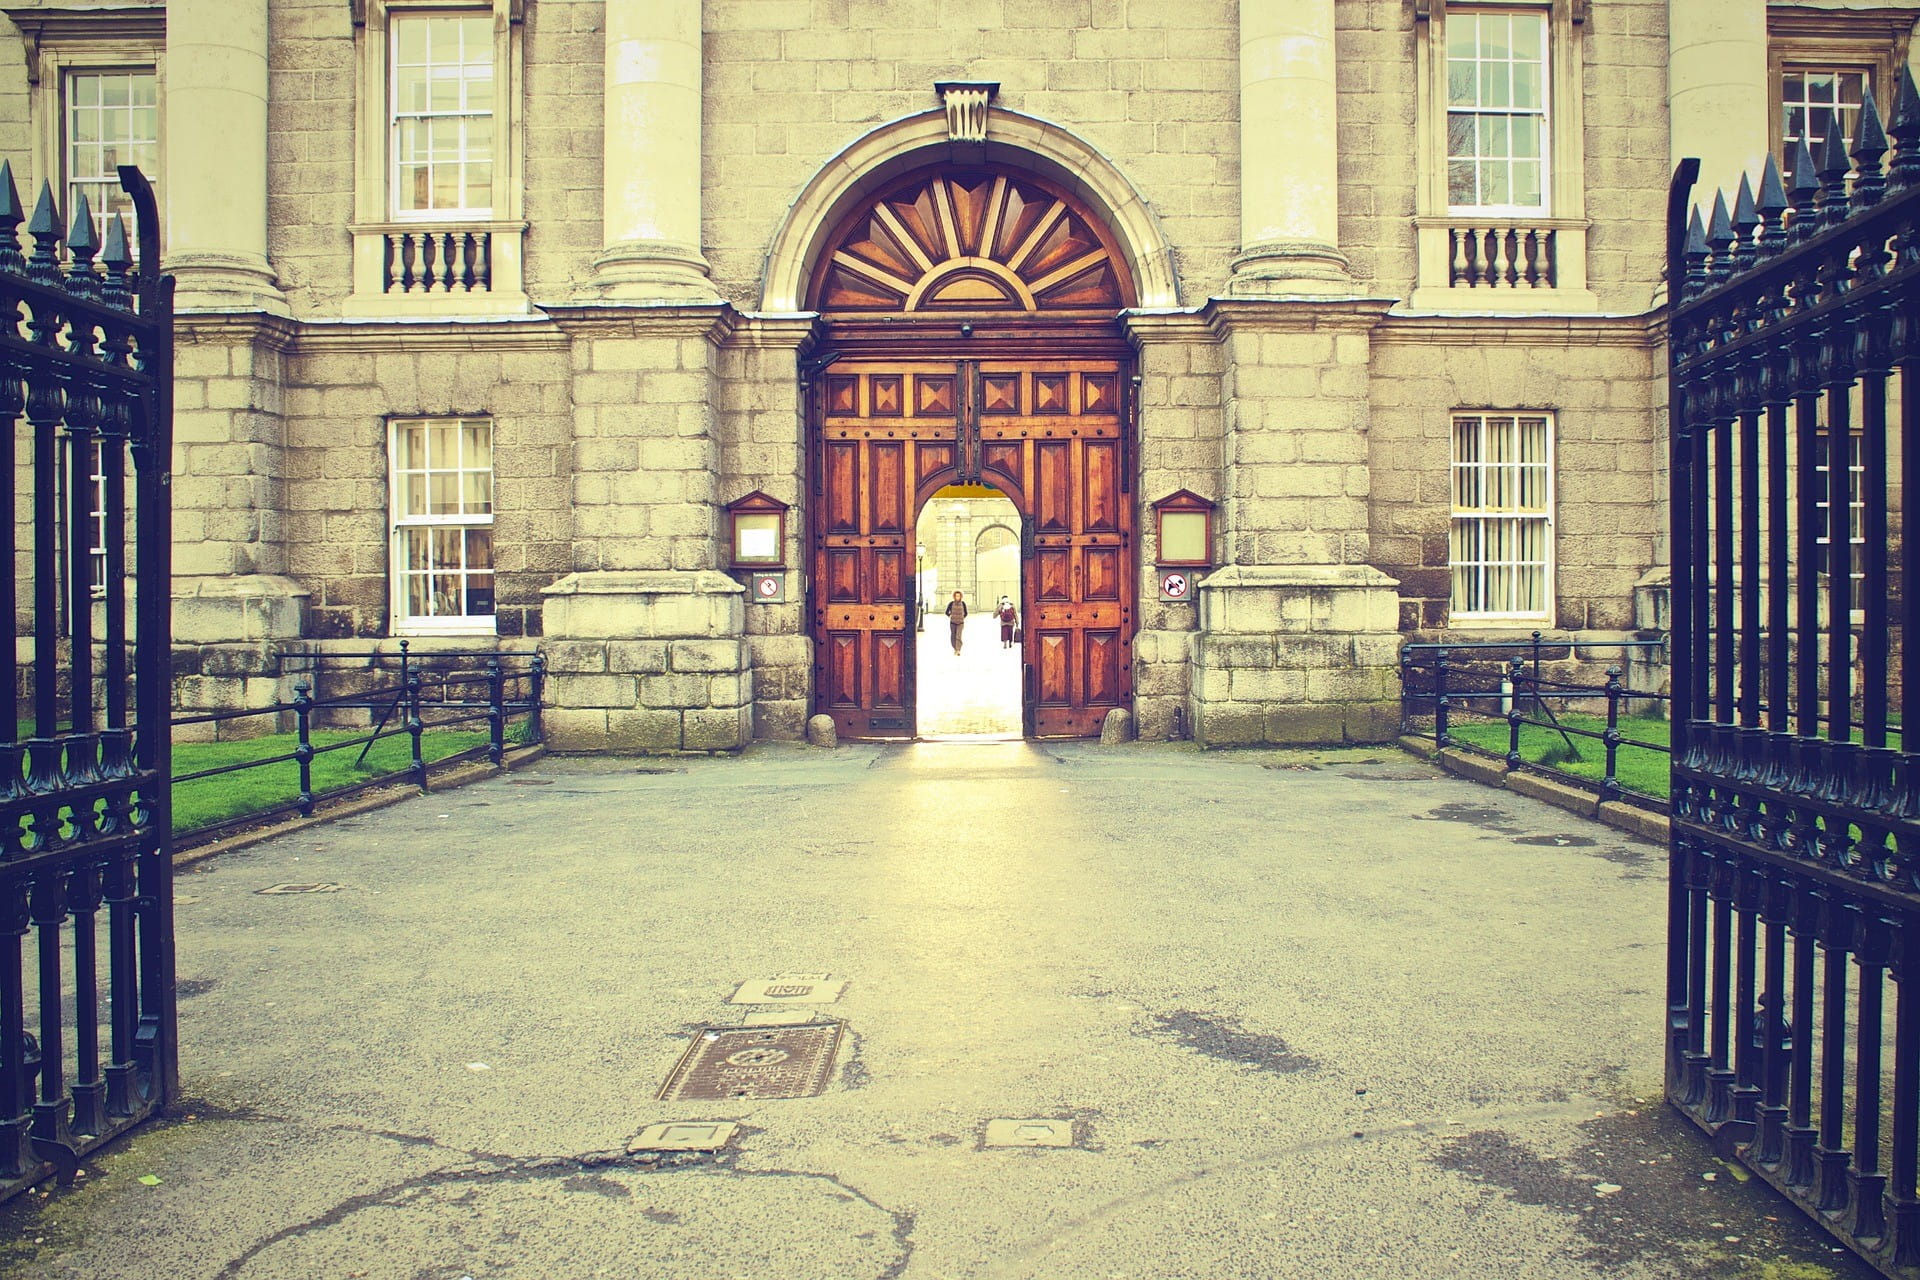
(491, 311)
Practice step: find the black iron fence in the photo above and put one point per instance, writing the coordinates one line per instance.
(87, 1043)
(1535, 683)
(390, 695)
(1794, 921)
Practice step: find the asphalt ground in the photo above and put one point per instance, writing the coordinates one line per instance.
(1296, 1015)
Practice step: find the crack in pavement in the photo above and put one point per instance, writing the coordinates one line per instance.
(496, 1169)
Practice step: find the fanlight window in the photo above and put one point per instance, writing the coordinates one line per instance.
(979, 241)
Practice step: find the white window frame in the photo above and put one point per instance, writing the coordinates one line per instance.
(69, 182)
(1543, 114)
(398, 116)
(1438, 224)
(1872, 43)
(1545, 517)
(400, 522)
(376, 223)
(60, 42)
(1856, 520)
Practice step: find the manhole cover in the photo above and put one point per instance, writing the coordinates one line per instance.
(755, 1062)
(685, 1136)
(301, 888)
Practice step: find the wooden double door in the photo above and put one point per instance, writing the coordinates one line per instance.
(1050, 435)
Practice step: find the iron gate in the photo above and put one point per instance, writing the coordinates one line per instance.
(1794, 920)
(86, 878)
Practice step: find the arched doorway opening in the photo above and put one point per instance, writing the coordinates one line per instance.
(971, 338)
(966, 549)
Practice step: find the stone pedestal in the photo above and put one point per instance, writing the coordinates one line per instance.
(647, 661)
(1296, 654)
(228, 637)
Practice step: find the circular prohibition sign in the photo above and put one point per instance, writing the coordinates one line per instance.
(768, 586)
(1173, 585)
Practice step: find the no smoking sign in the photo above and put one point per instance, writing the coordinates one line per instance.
(769, 588)
(1175, 586)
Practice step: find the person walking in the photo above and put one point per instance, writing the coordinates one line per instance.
(957, 619)
(1009, 619)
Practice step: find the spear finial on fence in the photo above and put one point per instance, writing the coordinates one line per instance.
(1869, 144)
(1773, 209)
(1745, 219)
(1803, 189)
(1720, 239)
(1835, 164)
(10, 219)
(117, 258)
(46, 229)
(1695, 254)
(82, 244)
(1905, 128)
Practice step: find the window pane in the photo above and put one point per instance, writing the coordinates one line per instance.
(1461, 135)
(1526, 84)
(479, 548)
(1526, 183)
(1496, 84)
(1460, 84)
(1495, 184)
(478, 497)
(410, 39)
(1529, 36)
(444, 490)
(1461, 186)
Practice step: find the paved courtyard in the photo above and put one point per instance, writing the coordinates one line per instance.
(1293, 1015)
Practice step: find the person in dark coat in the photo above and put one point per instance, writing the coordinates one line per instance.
(956, 618)
(1009, 618)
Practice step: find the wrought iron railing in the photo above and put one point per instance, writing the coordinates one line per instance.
(1794, 919)
(1444, 685)
(86, 869)
(397, 695)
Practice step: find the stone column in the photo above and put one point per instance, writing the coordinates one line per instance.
(1289, 157)
(1717, 89)
(652, 178)
(215, 186)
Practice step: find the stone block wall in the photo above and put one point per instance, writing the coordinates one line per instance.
(1597, 379)
(789, 83)
(762, 431)
(346, 387)
(1181, 429)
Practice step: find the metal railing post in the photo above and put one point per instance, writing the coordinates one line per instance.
(1440, 702)
(1610, 785)
(1536, 673)
(1516, 717)
(536, 683)
(496, 711)
(303, 752)
(418, 765)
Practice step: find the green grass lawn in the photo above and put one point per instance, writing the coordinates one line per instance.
(1637, 769)
(204, 801)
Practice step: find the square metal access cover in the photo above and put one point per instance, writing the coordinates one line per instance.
(686, 1135)
(755, 1062)
(790, 988)
(1039, 1132)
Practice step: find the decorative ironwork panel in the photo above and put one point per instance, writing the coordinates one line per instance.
(87, 1044)
(1794, 922)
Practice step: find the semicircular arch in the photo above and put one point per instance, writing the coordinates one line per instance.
(862, 171)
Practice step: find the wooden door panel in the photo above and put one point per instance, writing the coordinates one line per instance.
(1103, 667)
(1100, 486)
(889, 573)
(843, 669)
(889, 667)
(1052, 655)
(843, 488)
(1052, 574)
(1104, 576)
(841, 580)
(887, 471)
(1053, 488)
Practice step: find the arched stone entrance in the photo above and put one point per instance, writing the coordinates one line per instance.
(970, 335)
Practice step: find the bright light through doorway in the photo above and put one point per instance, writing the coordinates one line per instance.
(968, 540)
